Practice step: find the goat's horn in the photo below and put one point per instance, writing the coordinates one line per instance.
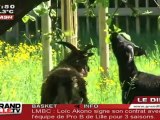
(89, 46)
(69, 45)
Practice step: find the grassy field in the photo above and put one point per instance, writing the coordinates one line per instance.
(21, 74)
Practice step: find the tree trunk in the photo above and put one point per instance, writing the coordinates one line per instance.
(104, 47)
(46, 39)
(69, 21)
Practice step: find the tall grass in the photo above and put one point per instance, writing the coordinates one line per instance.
(21, 74)
(21, 82)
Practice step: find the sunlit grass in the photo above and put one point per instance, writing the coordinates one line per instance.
(21, 74)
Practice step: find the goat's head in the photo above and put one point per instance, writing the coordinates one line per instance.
(124, 49)
(78, 58)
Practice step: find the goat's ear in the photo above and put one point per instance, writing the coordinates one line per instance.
(139, 51)
(130, 53)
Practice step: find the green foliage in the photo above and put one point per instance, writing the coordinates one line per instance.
(107, 39)
(109, 21)
(116, 29)
(90, 12)
(52, 13)
(105, 3)
(90, 7)
(28, 17)
(68, 33)
(41, 9)
(147, 12)
(74, 6)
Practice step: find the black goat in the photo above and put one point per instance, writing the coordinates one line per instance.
(65, 83)
(133, 82)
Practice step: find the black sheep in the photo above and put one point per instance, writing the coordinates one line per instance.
(133, 82)
(65, 83)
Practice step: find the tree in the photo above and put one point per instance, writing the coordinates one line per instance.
(46, 28)
(69, 21)
(103, 28)
(103, 31)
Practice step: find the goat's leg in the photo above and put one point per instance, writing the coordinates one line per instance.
(48, 93)
(131, 91)
(47, 99)
(128, 95)
(83, 94)
(85, 100)
(124, 97)
(83, 91)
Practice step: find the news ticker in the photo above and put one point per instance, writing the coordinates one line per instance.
(142, 108)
